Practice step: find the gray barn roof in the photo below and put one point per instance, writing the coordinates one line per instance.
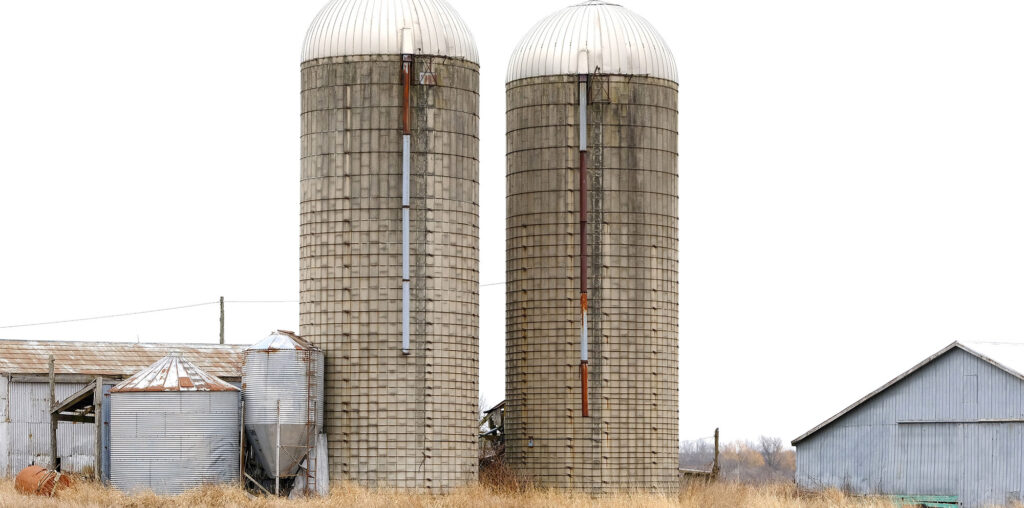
(112, 359)
(1011, 360)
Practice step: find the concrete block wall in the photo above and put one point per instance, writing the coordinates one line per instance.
(630, 439)
(392, 420)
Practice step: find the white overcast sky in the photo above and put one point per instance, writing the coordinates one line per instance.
(851, 183)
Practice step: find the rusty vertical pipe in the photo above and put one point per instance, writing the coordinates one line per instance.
(406, 87)
(583, 247)
(406, 170)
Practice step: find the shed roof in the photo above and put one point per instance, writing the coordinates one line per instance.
(1007, 356)
(173, 373)
(112, 359)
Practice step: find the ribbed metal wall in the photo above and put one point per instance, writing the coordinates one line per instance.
(282, 375)
(26, 430)
(406, 421)
(295, 378)
(169, 442)
(954, 427)
(631, 436)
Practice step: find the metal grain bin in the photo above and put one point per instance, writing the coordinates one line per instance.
(282, 383)
(173, 427)
(592, 253)
(389, 238)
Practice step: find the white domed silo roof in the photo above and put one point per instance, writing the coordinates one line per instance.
(375, 27)
(594, 37)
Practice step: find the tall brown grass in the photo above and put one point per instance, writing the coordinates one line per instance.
(505, 495)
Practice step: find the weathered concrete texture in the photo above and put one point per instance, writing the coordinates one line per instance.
(392, 420)
(630, 438)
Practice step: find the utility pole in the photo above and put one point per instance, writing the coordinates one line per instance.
(53, 417)
(222, 320)
(714, 465)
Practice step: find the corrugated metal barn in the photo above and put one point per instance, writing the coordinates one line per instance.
(953, 425)
(25, 394)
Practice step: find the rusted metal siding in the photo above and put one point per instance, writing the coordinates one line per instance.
(955, 427)
(169, 442)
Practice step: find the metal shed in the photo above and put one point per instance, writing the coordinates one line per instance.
(952, 426)
(25, 396)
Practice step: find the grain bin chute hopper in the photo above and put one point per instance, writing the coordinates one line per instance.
(282, 379)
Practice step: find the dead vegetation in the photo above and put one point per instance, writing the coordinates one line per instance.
(498, 492)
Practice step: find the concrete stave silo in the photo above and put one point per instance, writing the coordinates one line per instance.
(389, 240)
(173, 427)
(592, 326)
(283, 390)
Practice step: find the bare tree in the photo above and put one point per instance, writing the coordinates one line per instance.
(771, 451)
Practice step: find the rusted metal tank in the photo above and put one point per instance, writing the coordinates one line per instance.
(39, 481)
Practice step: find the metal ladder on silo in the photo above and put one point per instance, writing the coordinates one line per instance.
(311, 422)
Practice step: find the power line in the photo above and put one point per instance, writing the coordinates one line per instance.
(110, 315)
(126, 314)
(261, 301)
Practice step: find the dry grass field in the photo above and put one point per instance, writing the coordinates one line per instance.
(720, 495)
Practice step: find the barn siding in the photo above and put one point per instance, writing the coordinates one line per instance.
(919, 435)
(25, 431)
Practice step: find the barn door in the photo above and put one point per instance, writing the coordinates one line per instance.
(930, 457)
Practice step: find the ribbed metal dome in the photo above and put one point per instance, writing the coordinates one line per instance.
(375, 27)
(592, 37)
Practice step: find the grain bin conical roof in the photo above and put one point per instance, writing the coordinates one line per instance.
(173, 373)
(594, 37)
(282, 339)
(375, 27)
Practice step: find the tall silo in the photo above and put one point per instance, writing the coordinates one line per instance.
(282, 379)
(173, 427)
(592, 326)
(389, 239)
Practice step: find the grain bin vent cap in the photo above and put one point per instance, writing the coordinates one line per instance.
(379, 27)
(173, 373)
(594, 37)
(282, 339)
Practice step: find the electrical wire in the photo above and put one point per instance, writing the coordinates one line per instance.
(152, 311)
(110, 315)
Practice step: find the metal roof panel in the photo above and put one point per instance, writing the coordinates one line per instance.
(375, 27)
(594, 37)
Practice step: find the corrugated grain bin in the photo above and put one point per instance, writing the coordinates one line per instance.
(282, 381)
(389, 238)
(592, 253)
(173, 427)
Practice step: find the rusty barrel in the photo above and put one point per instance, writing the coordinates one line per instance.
(35, 480)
